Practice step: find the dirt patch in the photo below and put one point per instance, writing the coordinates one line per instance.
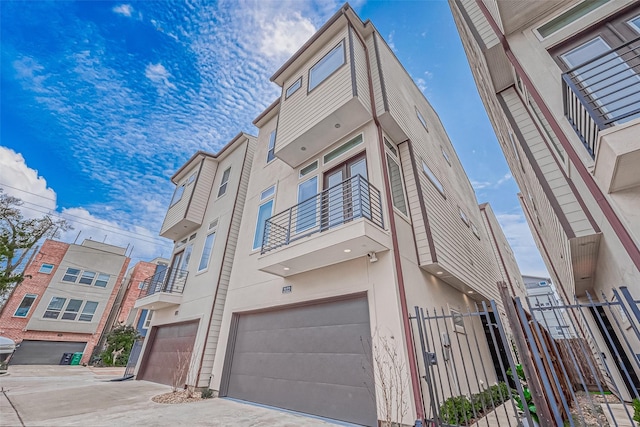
(182, 396)
(593, 407)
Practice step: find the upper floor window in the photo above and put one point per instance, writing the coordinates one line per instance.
(635, 24)
(88, 311)
(54, 308)
(223, 184)
(206, 251)
(475, 230)
(395, 178)
(87, 277)
(72, 309)
(192, 178)
(569, 16)
(463, 216)
(25, 305)
(177, 195)
(342, 149)
(102, 280)
(46, 268)
(293, 88)
(271, 151)
(434, 180)
(265, 211)
(422, 120)
(147, 319)
(446, 156)
(326, 66)
(71, 275)
(308, 169)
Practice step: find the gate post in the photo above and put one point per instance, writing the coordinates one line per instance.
(539, 399)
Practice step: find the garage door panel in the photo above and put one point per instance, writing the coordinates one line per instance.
(335, 313)
(323, 339)
(327, 368)
(355, 405)
(311, 359)
(35, 352)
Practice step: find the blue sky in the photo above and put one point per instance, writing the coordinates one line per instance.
(103, 101)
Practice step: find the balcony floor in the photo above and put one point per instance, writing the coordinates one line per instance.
(158, 301)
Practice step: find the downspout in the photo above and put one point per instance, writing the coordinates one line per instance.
(415, 378)
(618, 227)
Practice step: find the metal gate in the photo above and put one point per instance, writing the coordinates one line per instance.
(134, 355)
(531, 362)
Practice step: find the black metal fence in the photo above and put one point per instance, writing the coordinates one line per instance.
(170, 280)
(353, 198)
(479, 369)
(134, 355)
(603, 92)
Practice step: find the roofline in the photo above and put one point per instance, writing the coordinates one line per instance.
(266, 111)
(210, 155)
(313, 38)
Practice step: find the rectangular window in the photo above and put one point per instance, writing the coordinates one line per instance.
(54, 308)
(25, 305)
(71, 275)
(475, 230)
(571, 15)
(293, 88)
(395, 178)
(147, 320)
(88, 311)
(72, 309)
(186, 256)
(432, 178)
(308, 169)
(307, 205)
(463, 216)
(446, 156)
(268, 193)
(422, 120)
(177, 195)
(87, 277)
(192, 178)
(206, 252)
(264, 213)
(102, 280)
(391, 147)
(514, 147)
(342, 149)
(635, 24)
(272, 147)
(223, 184)
(140, 285)
(326, 66)
(46, 268)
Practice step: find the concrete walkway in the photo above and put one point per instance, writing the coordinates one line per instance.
(76, 395)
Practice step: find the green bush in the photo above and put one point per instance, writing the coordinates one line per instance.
(206, 394)
(120, 337)
(636, 410)
(456, 410)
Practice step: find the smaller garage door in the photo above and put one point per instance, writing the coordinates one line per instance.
(169, 349)
(44, 352)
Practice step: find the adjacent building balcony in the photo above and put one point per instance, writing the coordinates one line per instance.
(602, 102)
(163, 289)
(341, 223)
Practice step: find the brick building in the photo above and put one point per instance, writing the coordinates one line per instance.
(64, 303)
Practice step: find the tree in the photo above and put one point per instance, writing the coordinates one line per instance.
(18, 235)
(119, 343)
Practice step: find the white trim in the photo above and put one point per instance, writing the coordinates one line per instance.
(355, 147)
(633, 25)
(225, 183)
(317, 163)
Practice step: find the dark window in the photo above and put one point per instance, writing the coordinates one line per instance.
(25, 305)
(272, 147)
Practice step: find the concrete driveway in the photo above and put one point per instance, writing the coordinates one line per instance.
(76, 395)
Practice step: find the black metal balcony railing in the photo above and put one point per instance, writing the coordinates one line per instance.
(170, 281)
(603, 92)
(351, 199)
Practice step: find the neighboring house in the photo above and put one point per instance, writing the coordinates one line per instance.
(186, 300)
(354, 209)
(64, 302)
(559, 80)
(542, 293)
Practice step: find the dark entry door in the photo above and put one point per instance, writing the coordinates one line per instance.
(345, 200)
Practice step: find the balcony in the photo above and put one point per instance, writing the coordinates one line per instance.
(348, 217)
(163, 289)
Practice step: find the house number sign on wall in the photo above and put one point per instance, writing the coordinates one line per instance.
(286, 289)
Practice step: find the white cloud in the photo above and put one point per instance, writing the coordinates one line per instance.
(390, 41)
(160, 76)
(480, 185)
(518, 233)
(504, 179)
(483, 185)
(124, 10)
(282, 36)
(422, 84)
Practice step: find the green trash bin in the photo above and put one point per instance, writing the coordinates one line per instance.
(75, 360)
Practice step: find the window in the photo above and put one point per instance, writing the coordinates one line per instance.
(72, 309)
(446, 156)
(87, 277)
(264, 213)
(272, 147)
(293, 88)
(475, 230)
(206, 252)
(307, 205)
(342, 149)
(186, 256)
(432, 178)
(54, 308)
(326, 66)
(635, 24)
(177, 195)
(463, 216)
(395, 178)
(192, 178)
(140, 285)
(308, 169)
(71, 275)
(422, 120)
(147, 320)
(515, 148)
(571, 15)
(223, 184)
(391, 147)
(88, 311)
(25, 305)
(46, 268)
(102, 280)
